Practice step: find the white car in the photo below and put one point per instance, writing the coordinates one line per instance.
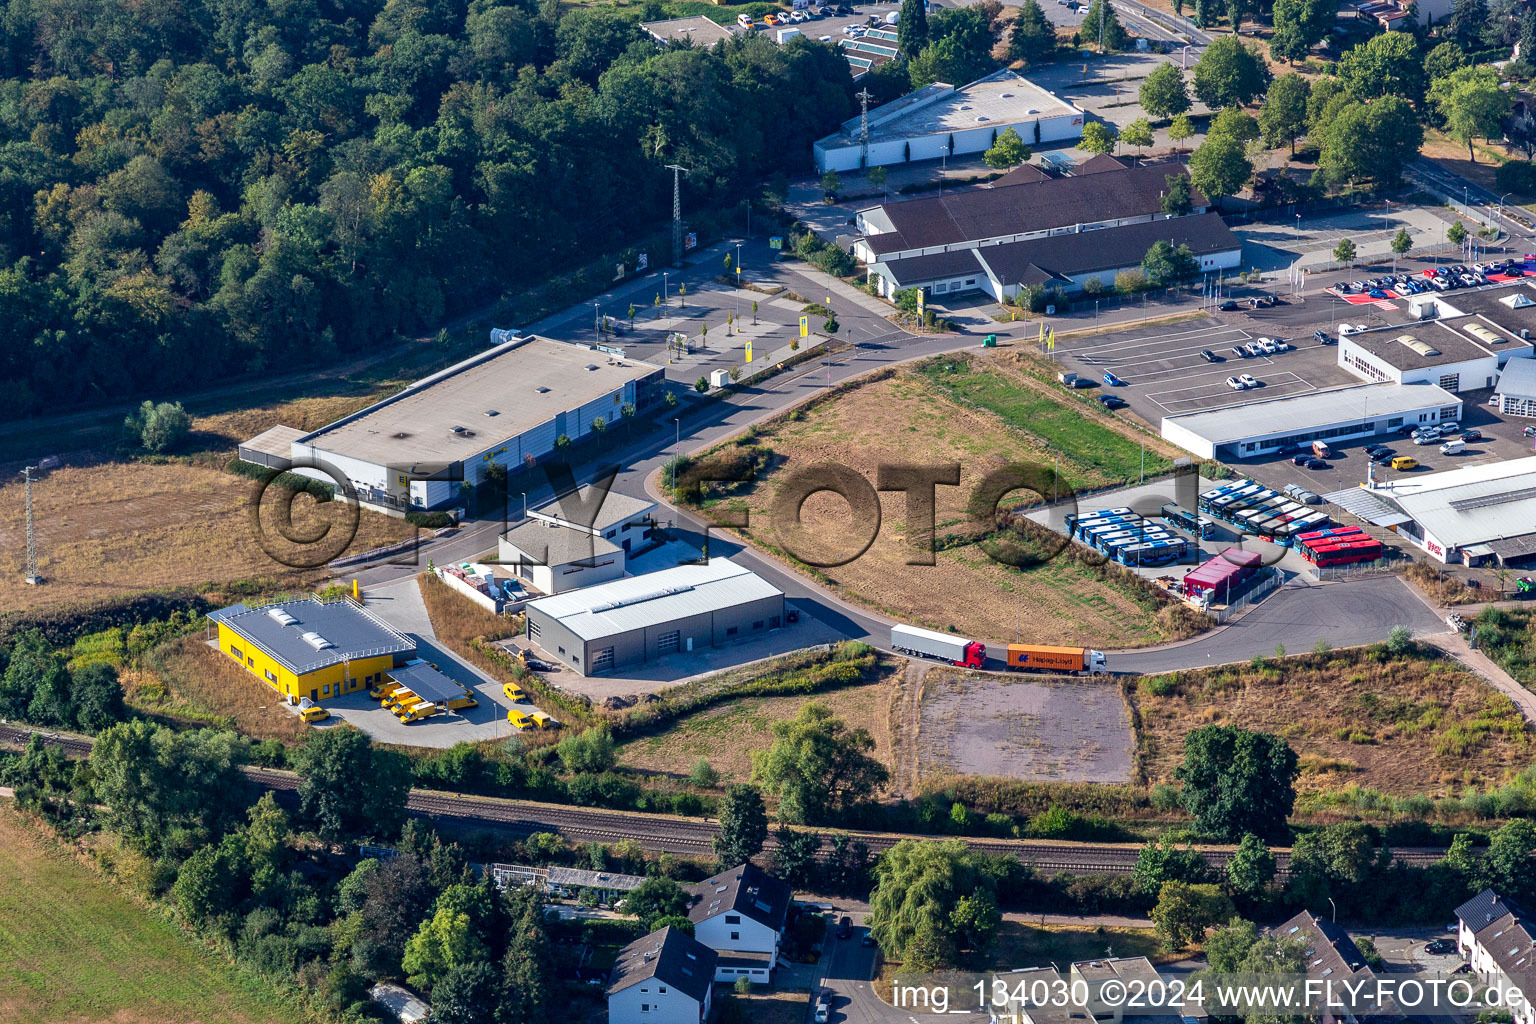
(1248, 380)
(1266, 345)
(799, 16)
(1236, 385)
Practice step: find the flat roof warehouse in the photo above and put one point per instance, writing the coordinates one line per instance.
(480, 403)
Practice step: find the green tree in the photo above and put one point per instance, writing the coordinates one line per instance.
(1227, 947)
(1162, 861)
(654, 899)
(1471, 104)
(1445, 58)
(352, 890)
(1162, 92)
(703, 774)
(43, 778)
(210, 882)
(1372, 141)
(1329, 859)
(1099, 137)
(331, 800)
(794, 859)
(1344, 252)
(1033, 39)
(743, 826)
(1220, 167)
(1252, 867)
(1237, 781)
(830, 184)
(467, 994)
(446, 941)
(1283, 117)
(1138, 133)
(1102, 25)
(1164, 264)
(591, 751)
(1401, 242)
(1230, 73)
(1008, 151)
(165, 789)
(158, 427)
(1468, 20)
(1399, 638)
(1233, 123)
(528, 968)
(1181, 129)
(817, 766)
(1507, 868)
(876, 176)
(1299, 26)
(912, 28)
(931, 900)
(1389, 64)
(1177, 199)
(1184, 912)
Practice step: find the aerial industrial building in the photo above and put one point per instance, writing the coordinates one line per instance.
(603, 628)
(941, 120)
(1442, 344)
(506, 406)
(1281, 424)
(311, 647)
(1483, 513)
(1033, 229)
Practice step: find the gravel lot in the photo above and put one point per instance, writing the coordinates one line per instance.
(1019, 727)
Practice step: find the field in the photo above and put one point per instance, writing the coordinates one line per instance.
(73, 948)
(1508, 636)
(990, 413)
(727, 734)
(188, 680)
(111, 528)
(1397, 725)
(1037, 729)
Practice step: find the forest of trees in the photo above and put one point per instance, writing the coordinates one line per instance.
(205, 188)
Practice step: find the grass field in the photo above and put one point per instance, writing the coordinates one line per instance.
(114, 528)
(190, 681)
(1508, 636)
(74, 948)
(1397, 725)
(726, 735)
(905, 417)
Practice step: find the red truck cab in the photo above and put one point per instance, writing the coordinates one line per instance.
(975, 655)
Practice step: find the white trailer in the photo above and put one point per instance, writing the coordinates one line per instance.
(929, 643)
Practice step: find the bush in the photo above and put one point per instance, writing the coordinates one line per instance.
(429, 520)
(1516, 176)
(158, 427)
(1130, 281)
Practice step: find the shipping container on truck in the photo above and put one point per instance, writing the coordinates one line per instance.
(928, 643)
(1040, 658)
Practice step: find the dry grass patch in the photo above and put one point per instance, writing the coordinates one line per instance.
(1397, 725)
(903, 416)
(191, 681)
(74, 948)
(122, 528)
(726, 735)
(457, 620)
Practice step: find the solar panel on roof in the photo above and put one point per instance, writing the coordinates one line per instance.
(1486, 500)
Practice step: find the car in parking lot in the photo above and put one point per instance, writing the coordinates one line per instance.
(1316, 463)
(1266, 345)
(1528, 432)
(1249, 380)
(845, 928)
(1440, 947)
(1377, 293)
(1228, 306)
(1236, 385)
(1450, 427)
(1240, 351)
(1322, 337)
(1110, 401)
(1113, 381)
(1209, 356)
(823, 1010)
(1379, 453)
(1426, 438)
(1358, 286)
(1300, 460)
(1345, 287)
(1472, 435)
(1404, 462)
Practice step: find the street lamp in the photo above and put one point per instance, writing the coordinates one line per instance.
(597, 322)
(677, 444)
(664, 288)
(525, 503)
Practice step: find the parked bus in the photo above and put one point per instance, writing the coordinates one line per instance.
(1189, 522)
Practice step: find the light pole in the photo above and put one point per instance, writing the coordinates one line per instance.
(677, 444)
(664, 289)
(1335, 907)
(597, 322)
(525, 503)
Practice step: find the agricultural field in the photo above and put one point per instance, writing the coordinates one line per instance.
(989, 412)
(1036, 729)
(726, 735)
(96, 956)
(1398, 725)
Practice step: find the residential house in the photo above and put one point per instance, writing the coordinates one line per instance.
(661, 978)
(1136, 973)
(1331, 957)
(740, 915)
(1492, 933)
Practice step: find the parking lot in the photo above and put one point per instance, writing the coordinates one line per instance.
(1164, 373)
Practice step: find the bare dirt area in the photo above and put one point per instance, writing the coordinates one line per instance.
(1399, 725)
(726, 735)
(117, 528)
(903, 418)
(1033, 728)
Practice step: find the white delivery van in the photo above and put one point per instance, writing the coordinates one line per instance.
(1455, 447)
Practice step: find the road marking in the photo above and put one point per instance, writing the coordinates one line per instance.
(1294, 385)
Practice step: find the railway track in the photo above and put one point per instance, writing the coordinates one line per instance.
(661, 833)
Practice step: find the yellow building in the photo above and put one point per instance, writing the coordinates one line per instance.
(312, 648)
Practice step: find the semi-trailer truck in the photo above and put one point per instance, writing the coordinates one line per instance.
(930, 644)
(1038, 658)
